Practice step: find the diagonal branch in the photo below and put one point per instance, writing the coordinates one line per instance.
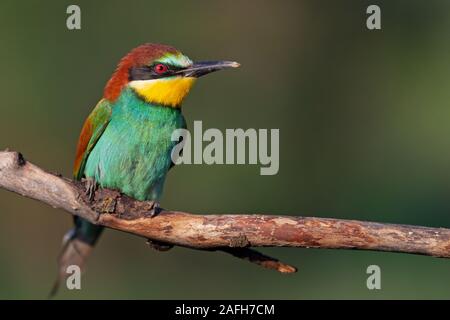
(233, 234)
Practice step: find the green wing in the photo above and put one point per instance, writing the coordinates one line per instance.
(93, 128)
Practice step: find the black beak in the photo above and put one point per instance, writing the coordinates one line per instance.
(202, 68)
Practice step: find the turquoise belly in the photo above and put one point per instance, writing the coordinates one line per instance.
(133, 154)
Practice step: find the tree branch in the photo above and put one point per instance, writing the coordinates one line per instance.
(233, 234)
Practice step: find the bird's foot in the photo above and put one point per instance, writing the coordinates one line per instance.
(158, 245)
(90, 187)
(155, 208)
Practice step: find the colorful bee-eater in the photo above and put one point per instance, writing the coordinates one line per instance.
(125, 143)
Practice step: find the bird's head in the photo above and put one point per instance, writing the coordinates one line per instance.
(159, 74)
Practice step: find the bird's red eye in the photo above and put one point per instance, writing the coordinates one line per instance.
(160, 68)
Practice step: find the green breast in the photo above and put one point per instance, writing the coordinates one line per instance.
(133, 153)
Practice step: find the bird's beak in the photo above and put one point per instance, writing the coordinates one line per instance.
(202, 68)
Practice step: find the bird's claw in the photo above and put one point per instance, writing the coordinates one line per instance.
(90, 187)
(158, 245)
(156, 208)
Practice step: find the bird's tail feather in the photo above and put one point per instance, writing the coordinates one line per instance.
(78, 244)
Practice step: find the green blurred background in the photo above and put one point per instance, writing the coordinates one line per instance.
(364, 134)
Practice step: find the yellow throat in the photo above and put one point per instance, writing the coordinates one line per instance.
(165, 91)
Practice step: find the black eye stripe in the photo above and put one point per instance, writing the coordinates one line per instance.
(148, 72)
(140, 73)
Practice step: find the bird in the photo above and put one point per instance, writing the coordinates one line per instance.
(125, 143)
